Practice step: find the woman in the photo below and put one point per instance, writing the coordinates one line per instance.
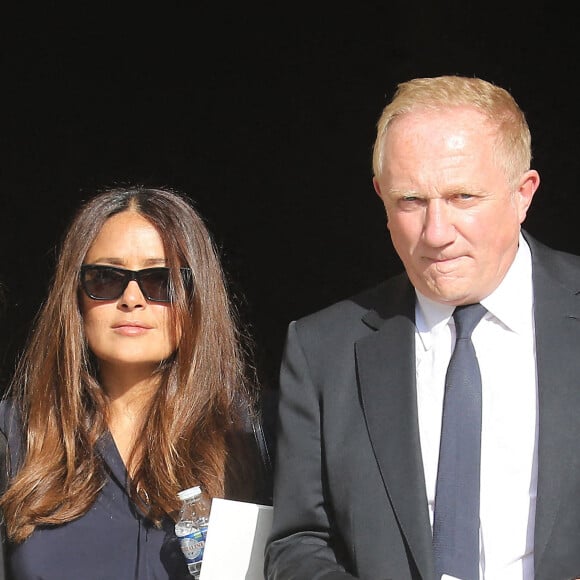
(132, 387)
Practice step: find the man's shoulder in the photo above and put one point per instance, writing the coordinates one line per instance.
(558, 264)
(377, 298)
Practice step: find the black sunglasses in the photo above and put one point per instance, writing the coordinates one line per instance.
(109, 283)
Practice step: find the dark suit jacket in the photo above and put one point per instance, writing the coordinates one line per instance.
(350, 497)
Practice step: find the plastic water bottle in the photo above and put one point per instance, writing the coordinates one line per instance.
(191, 527)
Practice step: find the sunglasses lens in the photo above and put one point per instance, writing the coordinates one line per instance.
(109, 283)
(155, 284)
(103, 283)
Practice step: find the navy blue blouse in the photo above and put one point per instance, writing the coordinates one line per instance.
(112, 541)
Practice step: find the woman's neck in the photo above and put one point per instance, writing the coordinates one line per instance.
(129, 401)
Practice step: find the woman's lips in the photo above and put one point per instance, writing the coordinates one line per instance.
(131, 328)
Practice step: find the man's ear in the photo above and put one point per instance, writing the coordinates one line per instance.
(377, 186)
(528, 185)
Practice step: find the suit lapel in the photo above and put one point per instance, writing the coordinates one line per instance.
(557, 326)
(386, 371)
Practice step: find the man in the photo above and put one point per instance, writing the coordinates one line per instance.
(363, 382)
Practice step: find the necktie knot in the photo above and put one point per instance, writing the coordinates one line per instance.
(467, 317)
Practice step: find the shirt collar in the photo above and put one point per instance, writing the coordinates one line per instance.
(512, 301)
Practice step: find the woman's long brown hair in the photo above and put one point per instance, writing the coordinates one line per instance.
(203, 387)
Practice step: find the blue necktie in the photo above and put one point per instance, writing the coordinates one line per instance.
(456, 517)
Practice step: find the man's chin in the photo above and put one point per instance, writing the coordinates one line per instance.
(451, 290)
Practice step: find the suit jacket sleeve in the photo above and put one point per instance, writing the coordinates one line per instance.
(301, 545)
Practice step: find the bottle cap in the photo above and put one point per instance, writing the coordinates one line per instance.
(189, 493)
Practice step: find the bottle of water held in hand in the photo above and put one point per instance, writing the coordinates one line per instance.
(191, 527)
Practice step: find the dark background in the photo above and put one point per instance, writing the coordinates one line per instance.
(265, 114)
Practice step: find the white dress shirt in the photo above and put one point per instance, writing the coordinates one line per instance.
(505, 347)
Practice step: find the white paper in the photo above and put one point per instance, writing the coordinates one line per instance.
(236, 538)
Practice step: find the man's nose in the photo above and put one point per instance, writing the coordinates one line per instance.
(439, 228)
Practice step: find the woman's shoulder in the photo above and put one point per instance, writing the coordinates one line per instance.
(8, 416)
(11, 428)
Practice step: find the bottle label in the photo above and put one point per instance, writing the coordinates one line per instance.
(193, 544)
